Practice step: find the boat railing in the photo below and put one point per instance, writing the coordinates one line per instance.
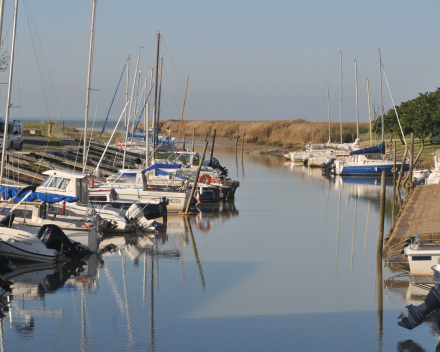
(397, 248)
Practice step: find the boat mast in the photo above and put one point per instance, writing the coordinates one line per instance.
(147, 123)
(89, 77)
(8, 104)
(341, 98)
(135, 106)
(155, 95)
(357, 101)
(126, 95)
(129, 112)
(369, 112)
(381, 95)
(328, 111)
(2, 7)
(160, 91)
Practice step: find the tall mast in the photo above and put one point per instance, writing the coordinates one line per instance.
(369, 112)
(147, 142)
(328, 111)
(89, 77)
(126, 92)
(381, 95)
(357, 101)
(129, 111)
(135, 105)
(341, 97)
(160, 90)
(8, 101)
(2, 7)
(155, 94)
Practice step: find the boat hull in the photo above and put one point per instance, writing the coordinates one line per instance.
(368, 170)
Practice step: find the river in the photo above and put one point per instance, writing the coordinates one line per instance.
(290, 265)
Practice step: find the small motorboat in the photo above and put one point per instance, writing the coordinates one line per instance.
(45, 246)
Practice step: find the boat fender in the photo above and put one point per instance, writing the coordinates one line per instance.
(201, 178)
(91, 181)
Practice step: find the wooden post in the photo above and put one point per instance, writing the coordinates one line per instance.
(381, 214)
(212, 148)
(236, 145)
(184, 135)
(196, 179)
(206, 136)
(394, 168)
(411, 162)
(62, 127)
(242, 142)
(49, 129)
(194, 136)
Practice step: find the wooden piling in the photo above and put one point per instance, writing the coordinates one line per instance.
(411, 162)
(184, 135)
(401, 168)
(212, 147)
(236, 145)
(242, 142)
(394, 168)
(381, 214)
(196, 179)
(194, 136)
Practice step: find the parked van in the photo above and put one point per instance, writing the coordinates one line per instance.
(15, 135)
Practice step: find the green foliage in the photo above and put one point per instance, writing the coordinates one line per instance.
(420, 115)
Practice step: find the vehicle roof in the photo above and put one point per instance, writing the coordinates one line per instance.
(63, 173)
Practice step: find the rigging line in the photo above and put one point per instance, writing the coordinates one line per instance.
(108, 35)
(172, 93)
(38, 62)
(43, 55)
(41, 58)
(149, 55)
(6, 34)
(73, 73)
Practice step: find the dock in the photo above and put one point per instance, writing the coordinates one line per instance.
(421, 214)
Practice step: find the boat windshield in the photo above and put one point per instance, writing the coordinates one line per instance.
(114, 177)
(55, 182)
(123, 177)
(373, 156)
(46, 181)
(64, 183)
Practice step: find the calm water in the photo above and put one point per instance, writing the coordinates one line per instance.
(289, 266)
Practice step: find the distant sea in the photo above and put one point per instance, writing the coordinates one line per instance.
(78, 123)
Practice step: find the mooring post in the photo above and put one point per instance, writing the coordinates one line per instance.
(411, 162)
(394, 168)
(212, 148)
(206, 136)
(242, 142)
(381, 214)
(194, 136)
(236, 145)
(196, 179)
(401, 167)
(184, 135)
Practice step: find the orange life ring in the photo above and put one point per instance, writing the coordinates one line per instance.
(118, 140)
(91, 181)
(217, 179)
(201, 178)
(122, 145)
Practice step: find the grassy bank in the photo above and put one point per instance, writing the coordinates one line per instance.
(278, 133)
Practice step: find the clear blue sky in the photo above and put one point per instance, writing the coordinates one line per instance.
(245, 59)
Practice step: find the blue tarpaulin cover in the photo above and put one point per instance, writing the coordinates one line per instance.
(8, 192)
(379, 149)
(162, 166)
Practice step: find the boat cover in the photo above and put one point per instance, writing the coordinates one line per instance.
(162, 166)
(379, 149)
(8, 192)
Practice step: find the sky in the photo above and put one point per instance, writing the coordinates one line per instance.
(246, 60)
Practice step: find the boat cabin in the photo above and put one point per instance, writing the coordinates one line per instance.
(67, 183)
(185, 157)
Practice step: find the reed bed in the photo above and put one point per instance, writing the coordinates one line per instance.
(274, 133)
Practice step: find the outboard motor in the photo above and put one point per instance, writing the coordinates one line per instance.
(329, 166)
(418, 314)
(53, 237)
(422, 178)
